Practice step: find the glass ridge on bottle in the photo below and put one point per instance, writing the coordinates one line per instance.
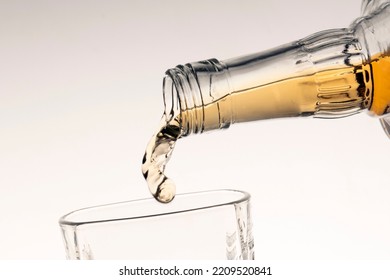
(330, 74)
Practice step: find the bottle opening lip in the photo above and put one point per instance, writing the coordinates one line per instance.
(149, 207)
(170, 98)
(182, 94)
(191, 88)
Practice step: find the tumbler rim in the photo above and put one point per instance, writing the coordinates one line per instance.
(224, 197)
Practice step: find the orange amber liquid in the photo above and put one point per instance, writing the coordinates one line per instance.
(381, 86)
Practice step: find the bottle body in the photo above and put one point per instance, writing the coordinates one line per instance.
(331, 74)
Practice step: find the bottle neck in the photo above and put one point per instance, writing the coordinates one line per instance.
(322, 75)
(197, 95)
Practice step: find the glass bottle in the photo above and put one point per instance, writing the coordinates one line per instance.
(330, 74)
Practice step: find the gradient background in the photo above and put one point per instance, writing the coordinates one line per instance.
(80, 96)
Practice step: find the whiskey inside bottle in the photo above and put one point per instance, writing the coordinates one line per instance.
(381, 82)
(323, 94)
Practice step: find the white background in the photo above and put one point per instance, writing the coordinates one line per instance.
(80, 96)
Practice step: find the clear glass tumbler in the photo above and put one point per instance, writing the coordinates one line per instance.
(201, 225)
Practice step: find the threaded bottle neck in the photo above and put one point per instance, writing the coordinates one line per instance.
(197, 94)
(322, 75)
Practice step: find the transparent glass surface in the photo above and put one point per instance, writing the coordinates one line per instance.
(330, 74)
(369, 6)
(202, 225)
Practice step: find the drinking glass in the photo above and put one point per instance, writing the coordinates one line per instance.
(201, 225)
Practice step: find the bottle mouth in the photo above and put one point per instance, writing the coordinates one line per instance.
(171, 102)
(193, 93)
(183, 99)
